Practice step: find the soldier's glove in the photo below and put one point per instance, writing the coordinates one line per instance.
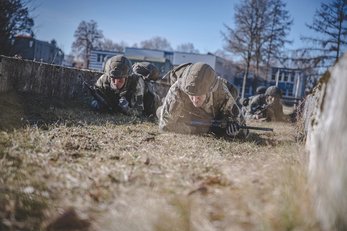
(123, 104)
(232, 129)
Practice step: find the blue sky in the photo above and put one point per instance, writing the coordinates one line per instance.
(132, 21)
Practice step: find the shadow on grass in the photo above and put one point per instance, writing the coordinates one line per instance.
(261, 140)
(255, 138)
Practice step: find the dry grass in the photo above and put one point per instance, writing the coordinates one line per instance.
(122, 174)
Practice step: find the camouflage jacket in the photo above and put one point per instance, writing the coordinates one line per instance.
(257, 104)
(274, 111)
(175, 74)
(172, 76)
(178, 114)
(133, 91)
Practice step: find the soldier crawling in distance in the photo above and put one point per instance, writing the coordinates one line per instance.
(265, 105)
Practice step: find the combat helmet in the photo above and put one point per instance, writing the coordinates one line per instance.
(198, 79)
(260, 90)
(118, 67)
(273, 91)
(146, 70)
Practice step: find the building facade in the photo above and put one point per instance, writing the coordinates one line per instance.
(99, 57)
(165, 60)
(223, 67)
(238, 82)
(290, 81)
(27, 47)
(156, 57)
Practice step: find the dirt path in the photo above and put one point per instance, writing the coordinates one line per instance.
(116, 173)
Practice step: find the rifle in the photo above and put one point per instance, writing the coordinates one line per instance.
(259, 109)
(98, 96)
(223, 124)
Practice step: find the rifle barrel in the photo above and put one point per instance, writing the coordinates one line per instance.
(206, 123)
(257, 128)
(97, 96)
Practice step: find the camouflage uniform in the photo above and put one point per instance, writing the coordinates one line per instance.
(257, 104)
(178, 114)
(274, 111)
(254, 106)
(146, 70)
(149, 73)
(175, 74)
(172, 76)
(168, 80)
(133, 89)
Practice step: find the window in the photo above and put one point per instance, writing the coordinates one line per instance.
(290, 89)
(273, 76)
(101, 58)
(292, 77)
(285, 79)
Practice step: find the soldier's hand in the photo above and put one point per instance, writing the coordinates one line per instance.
(233, 129)
(123, 104)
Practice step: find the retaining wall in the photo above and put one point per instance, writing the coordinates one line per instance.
(44, 79)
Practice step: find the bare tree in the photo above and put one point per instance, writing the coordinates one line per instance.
(241, 40)
(109, 45)
(87, 37)
(330, 23)
(156, 43)
(261, 27)
(279, 23)
(261, 18)
(187, 47)
(14, 19)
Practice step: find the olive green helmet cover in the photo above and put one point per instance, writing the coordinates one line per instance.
(198, 79)
(118, 67)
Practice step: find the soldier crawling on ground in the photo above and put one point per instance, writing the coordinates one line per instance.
(195, 100)
(121, 90)
(265, 106)
(176, 73)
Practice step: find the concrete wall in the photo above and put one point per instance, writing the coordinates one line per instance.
(326, 126)
(44, 79)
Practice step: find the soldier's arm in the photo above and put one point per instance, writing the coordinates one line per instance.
(171, 111)
(168, 114)
(228, 107)
(136, 103)
(231, 112)
(102, 86)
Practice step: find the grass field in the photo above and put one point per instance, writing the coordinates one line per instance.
(67, 168)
